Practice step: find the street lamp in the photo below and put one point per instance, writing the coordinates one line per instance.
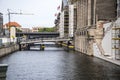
(9, 20)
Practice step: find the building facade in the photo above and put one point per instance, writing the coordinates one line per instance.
(64, 20)
(61, 25)
(72, 19)
(7, 27)
(118, 8)
(35, 29)
(26, 30)
(82, 20)
(57, 22)
(1, 24)
(90, 16)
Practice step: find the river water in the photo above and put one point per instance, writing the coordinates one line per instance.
(57, 64)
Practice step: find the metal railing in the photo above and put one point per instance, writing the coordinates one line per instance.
(43, 40)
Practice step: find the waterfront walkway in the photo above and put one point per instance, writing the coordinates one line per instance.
(57, 64)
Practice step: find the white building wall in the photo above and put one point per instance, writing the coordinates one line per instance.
(71, 20)
(61, 28)
(13, 34)
(5, 40)
(107, 39)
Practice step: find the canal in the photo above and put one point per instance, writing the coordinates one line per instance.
(57, 64)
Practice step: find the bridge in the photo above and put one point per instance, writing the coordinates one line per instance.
(28, 39)
(43, 40)
(25, 44)
(34, 35)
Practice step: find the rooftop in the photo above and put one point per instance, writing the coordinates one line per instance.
(12, 24)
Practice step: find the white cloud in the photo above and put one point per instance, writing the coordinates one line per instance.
(43, 11)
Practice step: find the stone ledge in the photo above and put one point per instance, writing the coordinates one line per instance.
(3, 65)
(3, 70)
(117, 62)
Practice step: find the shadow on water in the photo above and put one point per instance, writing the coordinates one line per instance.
(57, 64)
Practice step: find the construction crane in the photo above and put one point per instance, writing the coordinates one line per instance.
(20, 13)
(9, 17)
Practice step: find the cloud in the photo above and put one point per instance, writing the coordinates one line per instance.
(43, 11)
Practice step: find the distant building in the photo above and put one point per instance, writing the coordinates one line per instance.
(1, 24)
(72, 19)
(12, 24)
(26, 30)
(8, 25)
(36, 29)
(57, 22)
(64, 20)
(61, 25)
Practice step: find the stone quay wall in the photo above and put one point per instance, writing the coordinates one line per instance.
(7, 50)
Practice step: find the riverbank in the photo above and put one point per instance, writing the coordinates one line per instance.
(9, 49)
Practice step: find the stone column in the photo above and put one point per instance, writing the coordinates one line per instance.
(89, 12)
(94, 12)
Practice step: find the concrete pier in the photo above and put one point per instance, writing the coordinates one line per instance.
(3, 70)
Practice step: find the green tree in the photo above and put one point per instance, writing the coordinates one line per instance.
(18, 30)
(47, 29)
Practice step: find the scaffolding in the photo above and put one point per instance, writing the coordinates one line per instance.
(116, 41)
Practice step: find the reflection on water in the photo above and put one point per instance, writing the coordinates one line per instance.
(56, 64)
(46, 48)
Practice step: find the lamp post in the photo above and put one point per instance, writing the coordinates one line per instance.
(8, 17)
(9, 24)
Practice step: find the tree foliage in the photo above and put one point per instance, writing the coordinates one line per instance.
(18, 30)
(47, 29)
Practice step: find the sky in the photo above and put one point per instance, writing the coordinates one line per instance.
(43, 12)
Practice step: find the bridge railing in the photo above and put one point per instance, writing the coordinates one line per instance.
(39, 39)
(44, 40)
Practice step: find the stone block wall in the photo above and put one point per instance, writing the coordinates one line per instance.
(8, 50)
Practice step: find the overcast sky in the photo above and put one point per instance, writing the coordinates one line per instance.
(43, 10)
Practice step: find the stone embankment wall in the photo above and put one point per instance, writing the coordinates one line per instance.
(7, 50)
